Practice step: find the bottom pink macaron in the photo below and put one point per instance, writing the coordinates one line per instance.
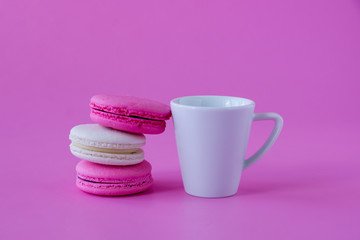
(111, 180)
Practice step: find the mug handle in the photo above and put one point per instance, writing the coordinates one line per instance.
(270, 141)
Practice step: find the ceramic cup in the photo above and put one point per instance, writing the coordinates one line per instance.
(212, 133)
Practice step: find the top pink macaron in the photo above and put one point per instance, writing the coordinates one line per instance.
(128, 113)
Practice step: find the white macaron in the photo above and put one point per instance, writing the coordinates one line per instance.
(104, 145)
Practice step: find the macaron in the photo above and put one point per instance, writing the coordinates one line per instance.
(113, 180)
(131, 114)
(99, 144)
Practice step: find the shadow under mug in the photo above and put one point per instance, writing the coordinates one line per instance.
(212, 133)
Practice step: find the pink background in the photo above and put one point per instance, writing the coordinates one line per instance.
(300, 59)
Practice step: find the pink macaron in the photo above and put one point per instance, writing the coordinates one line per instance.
(131, 114)
(111, 180)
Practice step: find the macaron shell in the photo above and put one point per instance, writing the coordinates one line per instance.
(131, 106)
(128, 124)
(96, 135)
(108, 158)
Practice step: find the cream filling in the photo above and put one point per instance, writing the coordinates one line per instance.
(106, 150)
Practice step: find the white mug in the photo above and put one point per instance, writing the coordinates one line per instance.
(212, 133)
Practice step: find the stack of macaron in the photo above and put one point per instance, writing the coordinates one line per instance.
(112, 161)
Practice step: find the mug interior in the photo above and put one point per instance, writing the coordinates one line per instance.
(213, 101)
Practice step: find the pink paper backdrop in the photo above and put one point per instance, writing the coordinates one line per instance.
(300, 59)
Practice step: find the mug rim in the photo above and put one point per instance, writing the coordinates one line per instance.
(175, 101)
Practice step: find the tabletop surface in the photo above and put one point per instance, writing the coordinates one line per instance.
(292, 193)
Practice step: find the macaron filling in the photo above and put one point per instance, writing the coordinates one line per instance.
(105, 150)
(111, 183)
(108, 156)
(136, 120)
